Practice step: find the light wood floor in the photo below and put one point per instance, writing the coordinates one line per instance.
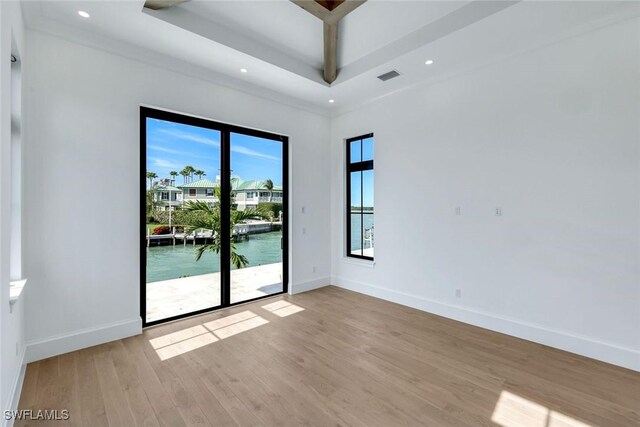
(329, 357)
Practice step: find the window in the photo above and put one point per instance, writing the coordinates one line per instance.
(360, 226)
(165, 195)
(209, 192)
(264, 194)
(256, 155)
(15, 242)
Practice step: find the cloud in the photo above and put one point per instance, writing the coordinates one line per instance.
(164, 163)
(240, 149)
(167, 150)
(174, 133)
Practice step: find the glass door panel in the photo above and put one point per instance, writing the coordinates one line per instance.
(257, 217)
(182, 213)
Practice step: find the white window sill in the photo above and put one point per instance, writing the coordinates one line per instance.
(15, 292)
(361, 262)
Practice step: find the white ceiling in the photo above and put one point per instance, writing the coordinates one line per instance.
(280, 44)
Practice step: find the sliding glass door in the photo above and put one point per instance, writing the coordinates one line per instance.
(213, 215)
(256, 259)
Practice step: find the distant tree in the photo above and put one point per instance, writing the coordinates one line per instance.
(151, 176)
(151, 201)
(200, 173)
(173, 177)
(190, 170)
(185, 173)
(268, 184)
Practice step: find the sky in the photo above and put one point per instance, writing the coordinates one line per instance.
(172, 146)
(362, 150)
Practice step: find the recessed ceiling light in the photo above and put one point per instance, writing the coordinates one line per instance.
(243, 70)
(83, 14)
(429, 61)
(331, 101)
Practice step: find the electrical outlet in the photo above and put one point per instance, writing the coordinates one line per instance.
(304, 230)
(498, 211)
(458, 211)
(314, 268)
(458, 293)
(303, 209)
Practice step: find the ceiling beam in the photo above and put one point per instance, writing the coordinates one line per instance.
(342, 10)
(330, 52)
(330, 4)
(330, 12)
(314, 8)
(162, 4)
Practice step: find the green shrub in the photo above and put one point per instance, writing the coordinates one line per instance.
(178, 217)
(271, 209)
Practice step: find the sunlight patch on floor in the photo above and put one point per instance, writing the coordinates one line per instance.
(515, 411)
(185, 346)
(283, 308)
(243, 326)
(185, 340)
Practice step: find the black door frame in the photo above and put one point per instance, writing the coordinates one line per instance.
(225, 194)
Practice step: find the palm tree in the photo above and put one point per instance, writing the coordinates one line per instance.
(173, 177)
(152, 202)
(207, 216)
(151, 176)
(268, 184)
(185, 173)
(200, 173)
(190, 170)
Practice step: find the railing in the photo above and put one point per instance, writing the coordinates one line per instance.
(273, 199)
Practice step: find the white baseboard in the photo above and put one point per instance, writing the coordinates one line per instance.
(585, 346)
(83, 338)
(310, 285)
(16, 389)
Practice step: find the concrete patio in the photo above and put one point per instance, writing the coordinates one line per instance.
(173, 297)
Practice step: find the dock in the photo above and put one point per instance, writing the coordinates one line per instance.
(240, 232)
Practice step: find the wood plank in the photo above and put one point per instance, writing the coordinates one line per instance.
(343, 9)
(162, 404)
(314, 8)
(162, 4)
(91, 400)
(330, 32)
(329, 357)
(69, 388)
(28, 397)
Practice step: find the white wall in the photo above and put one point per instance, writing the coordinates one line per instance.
(82, 173)
(551, 136)
(11, 321)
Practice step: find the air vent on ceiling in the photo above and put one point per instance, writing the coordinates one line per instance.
(388, 76)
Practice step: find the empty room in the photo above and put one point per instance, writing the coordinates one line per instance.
(321, 213)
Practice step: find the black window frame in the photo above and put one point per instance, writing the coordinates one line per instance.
(356, 167)
(225, 130)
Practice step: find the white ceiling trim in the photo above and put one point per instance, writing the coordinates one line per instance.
(448, 24)
(542, 42)
(466, 15)
(35, 22)
(218, 33)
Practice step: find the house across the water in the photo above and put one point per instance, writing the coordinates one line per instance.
(247, 193)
